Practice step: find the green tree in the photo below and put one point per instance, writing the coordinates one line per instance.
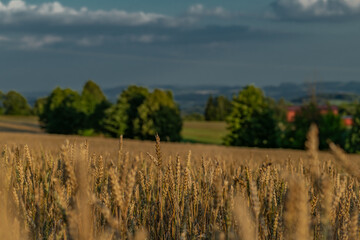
(279, 110)
(139, 114)
(63, 112)
(119, 118)
(2, 110)
(159, 114)
(348, 108)
(15, 104)
(91, 96)
(94, 104)
(251, 122)
(39, 106)
(115, 120)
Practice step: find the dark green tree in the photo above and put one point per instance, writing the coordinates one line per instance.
(353, 139)
(63, 112)
(217, 109)
(168, 123)
(330, 127)
(223, 108)
(15, 104)
(210, 111)
(296, 131)
(251, 122)
(133, 98)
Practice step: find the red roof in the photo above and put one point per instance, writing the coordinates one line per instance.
(291, 111)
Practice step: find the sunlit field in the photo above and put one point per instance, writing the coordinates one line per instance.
(184, 120)
(70, 187)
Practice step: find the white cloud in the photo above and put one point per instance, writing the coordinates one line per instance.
(56, 12)
(200, 10)
(14, 5)
(315, 9)
(32, 42)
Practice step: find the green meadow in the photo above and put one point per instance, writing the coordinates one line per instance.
(203, 132)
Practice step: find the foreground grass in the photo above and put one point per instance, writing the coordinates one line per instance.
(204, 132)
(100, 189)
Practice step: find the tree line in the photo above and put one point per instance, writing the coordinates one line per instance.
(253, 119)
(138, 113)
(258, 121)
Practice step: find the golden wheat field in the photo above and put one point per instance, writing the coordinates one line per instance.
(96, 188)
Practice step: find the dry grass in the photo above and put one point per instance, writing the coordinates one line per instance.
(20, 124)
(102, 189)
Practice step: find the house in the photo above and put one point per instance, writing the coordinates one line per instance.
(292, 110)
(348, 120)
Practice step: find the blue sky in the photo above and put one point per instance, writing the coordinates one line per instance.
(44, 44)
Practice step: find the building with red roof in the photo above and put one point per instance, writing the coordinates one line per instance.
(292, 110)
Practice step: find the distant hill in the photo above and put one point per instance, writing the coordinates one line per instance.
(190, 98)
(332, 98)
(292, 91)
(193, 98)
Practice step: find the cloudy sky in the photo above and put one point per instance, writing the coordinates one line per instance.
(44, 44)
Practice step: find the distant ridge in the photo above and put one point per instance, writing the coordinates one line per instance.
(193, 98)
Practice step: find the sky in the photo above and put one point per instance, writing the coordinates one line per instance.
(44, 44)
